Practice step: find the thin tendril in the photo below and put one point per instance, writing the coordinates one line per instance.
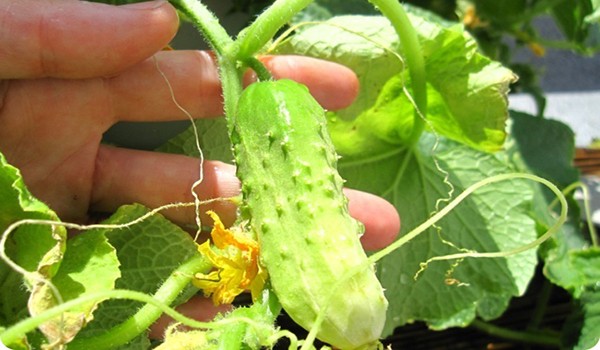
(585, 193)
(31, 323)
(80, 227)
(434, 219)
(198, 148)
(62, 305)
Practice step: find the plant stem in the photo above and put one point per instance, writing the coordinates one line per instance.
(206, 22)
(541, 305)
(231, 82)
(208, 25)
(133, 326)
(262, 73)
(393, 10)
(523, 337)
(148, 314)
(258, 34)
(562, 218)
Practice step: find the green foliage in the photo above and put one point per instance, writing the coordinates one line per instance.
(465, 141)
(496, 220)
(90, 264)
(38, 249)
(148, 253)
(545, 147)
(139, 257)
(370, 135)
(466, 91)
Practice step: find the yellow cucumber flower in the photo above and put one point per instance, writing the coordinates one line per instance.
(235, 259)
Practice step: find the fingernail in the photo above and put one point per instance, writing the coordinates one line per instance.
(145, 5)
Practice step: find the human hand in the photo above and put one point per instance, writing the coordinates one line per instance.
(72, 69)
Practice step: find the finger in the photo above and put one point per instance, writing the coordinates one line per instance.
(197, 308)
(154, 179)
(80, 39)
(124, 176)
(142, 93)
(153, 89)
(381, 220)
(333, 85)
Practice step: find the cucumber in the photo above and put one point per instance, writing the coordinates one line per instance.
(294, 204)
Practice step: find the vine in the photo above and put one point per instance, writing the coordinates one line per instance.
(233, 56)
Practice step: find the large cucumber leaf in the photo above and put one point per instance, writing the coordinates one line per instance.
(494, 219)
(36, 248)
(89, 265)
(148, 252)
(468, 104)
(466, 89)
(74, 267)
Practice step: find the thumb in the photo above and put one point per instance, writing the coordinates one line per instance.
(80, 39)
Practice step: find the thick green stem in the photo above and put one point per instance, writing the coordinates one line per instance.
(222, 44)
(132, 327)
(148, 314)
(206, 22)
(266, 25)
(393, 10)
(522, 337)
(231, 81)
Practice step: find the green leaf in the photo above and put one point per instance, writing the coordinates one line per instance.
(213, 140)
(468, 90)
(36, 248)
(502, 13)
(589, 338)
(494, 219)
(33, 247)
(90, 264)
(545, 147)
(572, 17)
(148, 253)
(594, 17)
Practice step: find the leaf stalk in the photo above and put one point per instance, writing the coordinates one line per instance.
(263, 29)
(538, 338)
(393, 10)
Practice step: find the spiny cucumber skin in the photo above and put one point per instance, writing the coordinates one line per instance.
(294, 202)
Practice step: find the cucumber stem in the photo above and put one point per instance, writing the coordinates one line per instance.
(393, 10)
(263, 29)
(231, 82)
(262, 73)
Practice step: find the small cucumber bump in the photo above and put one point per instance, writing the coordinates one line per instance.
(279, 210)
(285, 147)
(271, 137)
